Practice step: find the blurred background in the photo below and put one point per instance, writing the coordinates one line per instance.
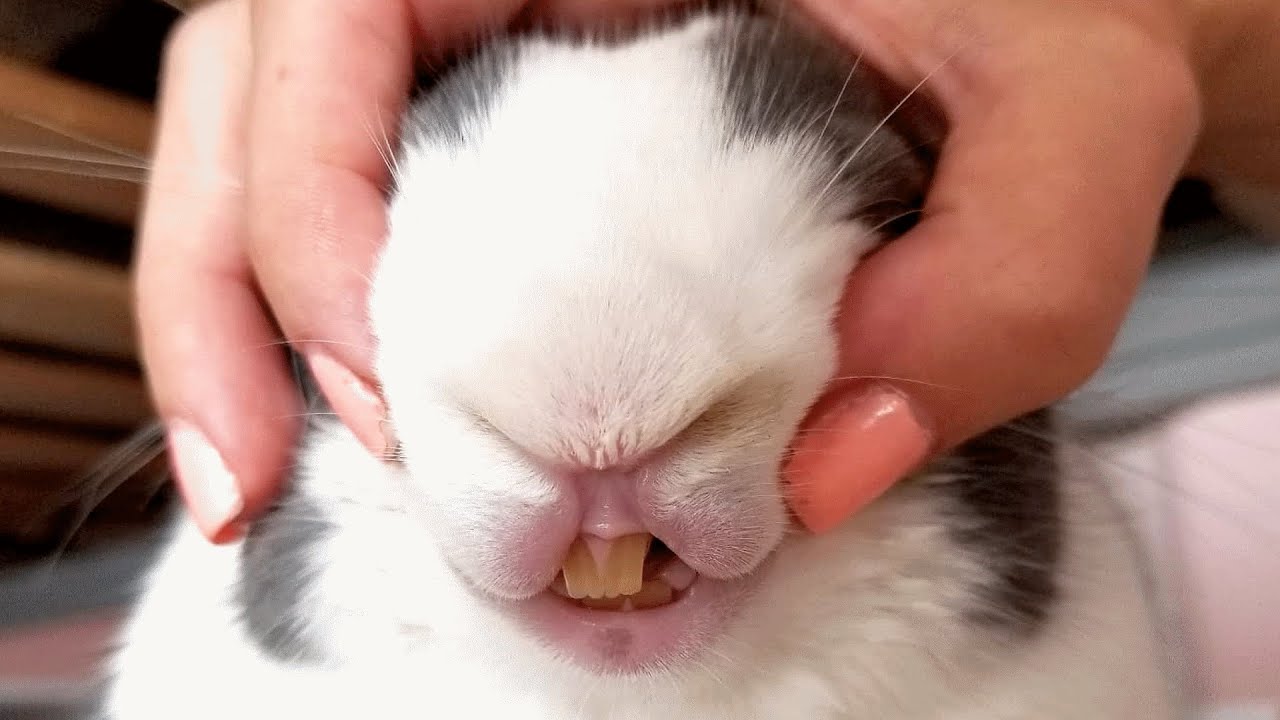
(77, 84)
(1186, 411)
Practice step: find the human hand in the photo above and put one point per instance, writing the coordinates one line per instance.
(1069, 124)
(303, 221)
(265, 207)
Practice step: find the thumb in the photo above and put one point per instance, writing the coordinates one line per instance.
(1034, 239)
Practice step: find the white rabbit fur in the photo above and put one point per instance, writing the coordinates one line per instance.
(585, 255)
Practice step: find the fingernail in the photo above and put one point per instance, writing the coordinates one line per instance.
(352, 399)
(210, 489)
(854, 453)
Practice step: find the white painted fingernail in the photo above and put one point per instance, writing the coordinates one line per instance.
(210, 489)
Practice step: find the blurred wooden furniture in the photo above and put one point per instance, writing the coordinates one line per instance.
(73, 159)
(70, 145)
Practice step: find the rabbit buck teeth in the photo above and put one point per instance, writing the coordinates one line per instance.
(614, 570)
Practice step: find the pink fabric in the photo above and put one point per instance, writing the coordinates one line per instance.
(1205, 485)
(1225, 459)
(65, 651)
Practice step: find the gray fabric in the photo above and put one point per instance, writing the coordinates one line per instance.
(47, 710)
(77, 583)
(1206, 321)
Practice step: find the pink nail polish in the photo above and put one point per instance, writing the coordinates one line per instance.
(210, 489)
(855, 452)
(353, 400)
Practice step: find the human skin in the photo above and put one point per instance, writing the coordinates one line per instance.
(1069, 124)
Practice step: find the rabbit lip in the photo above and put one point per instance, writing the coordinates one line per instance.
(676, 614)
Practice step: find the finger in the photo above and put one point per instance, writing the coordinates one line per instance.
(217, 377)
(329, 86)
(330, 80)
(1008, 294)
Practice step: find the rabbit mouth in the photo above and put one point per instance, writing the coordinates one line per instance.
(632, 606)
(633, 573)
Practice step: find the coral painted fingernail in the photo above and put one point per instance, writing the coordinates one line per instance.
(210, 489)
(353, 400)
(852, 454)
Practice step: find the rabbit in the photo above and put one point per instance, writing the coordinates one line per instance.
(604, 307)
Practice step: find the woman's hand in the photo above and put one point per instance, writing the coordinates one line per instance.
(264, 207)
(1069, 124)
